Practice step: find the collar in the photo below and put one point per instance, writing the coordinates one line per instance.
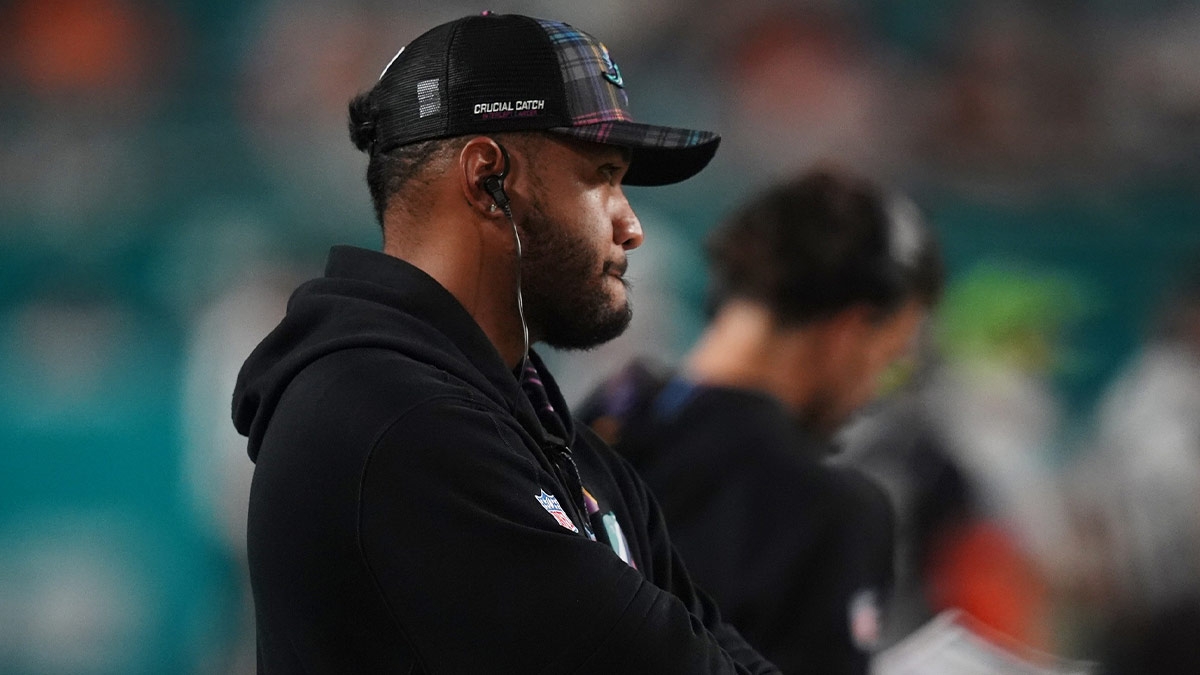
(750, 406)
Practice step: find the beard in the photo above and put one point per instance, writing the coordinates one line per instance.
(565, 284)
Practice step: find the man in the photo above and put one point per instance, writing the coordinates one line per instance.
(1139, 488)
(415, 507)
(820, 284)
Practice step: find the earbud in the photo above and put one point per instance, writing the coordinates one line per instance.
(494, 184)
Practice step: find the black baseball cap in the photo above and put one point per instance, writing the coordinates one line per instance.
(493, 73)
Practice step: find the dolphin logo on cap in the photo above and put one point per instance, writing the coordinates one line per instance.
(611, 72)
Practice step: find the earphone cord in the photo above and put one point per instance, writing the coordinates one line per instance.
(571, 480)
(520, 298)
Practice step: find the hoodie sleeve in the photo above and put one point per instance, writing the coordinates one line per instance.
(480, 574)
(664, 566)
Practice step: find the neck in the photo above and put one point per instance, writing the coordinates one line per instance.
(464, 257)
(745, 347)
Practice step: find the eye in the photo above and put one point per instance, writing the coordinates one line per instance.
(611, 172)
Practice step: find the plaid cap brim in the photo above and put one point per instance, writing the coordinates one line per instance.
(660, 155)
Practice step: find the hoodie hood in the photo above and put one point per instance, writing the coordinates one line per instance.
(371, 300)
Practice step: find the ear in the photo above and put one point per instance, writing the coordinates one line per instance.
(481, 164)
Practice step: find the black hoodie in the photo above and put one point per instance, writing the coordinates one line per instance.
(410, 514)
(796, 551)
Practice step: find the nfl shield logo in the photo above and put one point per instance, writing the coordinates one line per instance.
(550, 503)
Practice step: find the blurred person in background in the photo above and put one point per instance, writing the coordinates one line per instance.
(967, 452)
(806, 82)
(820, 284)
(1012, 103)
(216, 476)
(422, 500)
(99, 572)
(78, 148)
(1138, 490)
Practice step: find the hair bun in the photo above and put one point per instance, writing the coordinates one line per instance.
(363, 117)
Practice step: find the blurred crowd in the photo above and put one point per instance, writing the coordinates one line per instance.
(169, 169)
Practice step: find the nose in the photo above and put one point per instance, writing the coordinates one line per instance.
(627, 230)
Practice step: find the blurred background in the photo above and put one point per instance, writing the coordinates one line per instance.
(169, 170)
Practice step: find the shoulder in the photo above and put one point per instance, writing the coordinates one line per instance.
(375, 385)
(345, 404)
(851, 485)
(754, 450)
(726, 430)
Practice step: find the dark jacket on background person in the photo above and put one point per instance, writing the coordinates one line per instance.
(796, 552)
(409, 512)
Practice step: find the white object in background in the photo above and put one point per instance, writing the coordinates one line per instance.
(949, 645)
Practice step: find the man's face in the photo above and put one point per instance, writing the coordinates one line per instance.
(574, 240)
(852, 374)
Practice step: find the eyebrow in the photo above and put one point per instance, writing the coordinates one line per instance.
(605, 152)
(597, 149)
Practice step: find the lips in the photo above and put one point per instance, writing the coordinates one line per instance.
(616, 268)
